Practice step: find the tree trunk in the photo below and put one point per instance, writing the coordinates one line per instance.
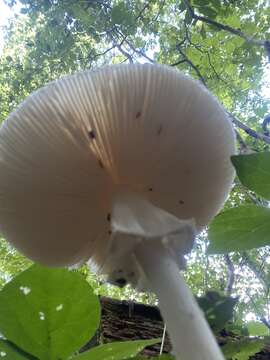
(124, 320)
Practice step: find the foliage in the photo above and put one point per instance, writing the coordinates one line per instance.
(54, 38)
(256, 328)
(48, 306)
(240, 228)
(241, 350)
(115, 351)
(11, 352)
(253, 171)
(218, 309)
(162, 357)
(11, 262)
(245, 227)
(49, 314)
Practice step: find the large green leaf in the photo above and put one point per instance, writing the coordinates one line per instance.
(116, 350)
(240, 228)
(49, 313)
(217, 308)
(242, 349)
(256, 328)
(8, 351)
(161, 357)
(253, 171)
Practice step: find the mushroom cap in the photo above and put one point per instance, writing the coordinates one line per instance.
(71, 145)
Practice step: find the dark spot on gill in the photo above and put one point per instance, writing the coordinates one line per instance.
(150, 189)
(91, 134)
(138, 114)
(109, 217)
(181, 202)
(110, 232)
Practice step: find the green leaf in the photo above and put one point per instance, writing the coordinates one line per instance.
(208, 11)
(217, 308)
(121, 15)
(162, 357)
(234, 20)
(49, 313)
(243, 349)
(118, 13)
(116, 350)
(240, 228)
(253, 171)
(216, 4)
(200, 3)
(182, 6)
(8, 351)
(256, 328)
(203, 32)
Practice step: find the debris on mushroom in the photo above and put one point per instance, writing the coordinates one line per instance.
(123, 165)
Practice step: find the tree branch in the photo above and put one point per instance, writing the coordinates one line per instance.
(118, 45)
(125, 53)
(258, 311)
(132, 47)
(254, 268)
(188, 61)
(178, 62)
(231, 276)
(90, 57)
(265, 125)
(139, 16)
(237, 32)
(265, 322)
(249, 131)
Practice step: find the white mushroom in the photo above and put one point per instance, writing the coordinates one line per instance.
(122, 166)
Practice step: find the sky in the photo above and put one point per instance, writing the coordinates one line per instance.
(5, 14)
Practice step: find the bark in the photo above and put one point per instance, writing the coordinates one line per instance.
(124, 321)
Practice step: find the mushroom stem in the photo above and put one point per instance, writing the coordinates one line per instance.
(190, 334)
(158, 241)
